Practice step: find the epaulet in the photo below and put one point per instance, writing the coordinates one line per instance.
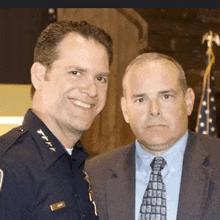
(9, 138)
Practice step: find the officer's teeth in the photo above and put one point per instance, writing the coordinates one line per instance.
(84, 105)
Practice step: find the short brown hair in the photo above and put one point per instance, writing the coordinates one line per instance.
(45, 51)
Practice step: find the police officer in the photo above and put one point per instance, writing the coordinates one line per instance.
(42, 161)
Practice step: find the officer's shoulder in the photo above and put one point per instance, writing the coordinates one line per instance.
(10, 138)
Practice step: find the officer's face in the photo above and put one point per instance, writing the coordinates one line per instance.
(75, 88)
(155, 105)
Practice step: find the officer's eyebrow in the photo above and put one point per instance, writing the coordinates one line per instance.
(78, 68)
(81, 69)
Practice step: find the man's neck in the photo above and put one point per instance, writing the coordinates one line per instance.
(68, 138)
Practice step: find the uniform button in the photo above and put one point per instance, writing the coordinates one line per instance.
(76, 196)
(21, 129)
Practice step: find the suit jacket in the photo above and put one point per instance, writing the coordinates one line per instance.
(112, 177)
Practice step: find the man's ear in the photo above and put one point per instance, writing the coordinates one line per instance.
(38, 72)
(124, 109)
(189, 99)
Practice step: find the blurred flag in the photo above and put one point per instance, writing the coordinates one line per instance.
(206, 120)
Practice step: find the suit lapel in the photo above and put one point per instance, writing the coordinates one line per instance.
(121, 187)
(195, 180)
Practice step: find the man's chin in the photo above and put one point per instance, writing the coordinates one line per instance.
(81, 127)
(160, 139)
(156, 147)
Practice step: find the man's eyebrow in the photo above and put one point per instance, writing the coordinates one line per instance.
(138, 95)
(78, 68)
(106, 73)
(167, 91)
(160, 92)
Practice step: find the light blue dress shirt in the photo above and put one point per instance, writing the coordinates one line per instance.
(171, 173)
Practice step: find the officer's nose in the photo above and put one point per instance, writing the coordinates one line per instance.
(89, 87)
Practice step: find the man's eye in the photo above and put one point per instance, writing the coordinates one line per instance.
(102, 79)
(76, 73)
(139, 100)
(167, 96)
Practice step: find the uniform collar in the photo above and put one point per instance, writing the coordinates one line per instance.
(79, 154)
(50, 147)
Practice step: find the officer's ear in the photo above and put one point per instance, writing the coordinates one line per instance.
(38, 72)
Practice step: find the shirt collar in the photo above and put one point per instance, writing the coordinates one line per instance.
(50, 147)
(174, 155)
(79, 154)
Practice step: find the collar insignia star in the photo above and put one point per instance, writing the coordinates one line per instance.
(46, 140)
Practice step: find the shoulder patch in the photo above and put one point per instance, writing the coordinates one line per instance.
(1, 178)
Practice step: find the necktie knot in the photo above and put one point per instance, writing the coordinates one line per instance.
(158, 163)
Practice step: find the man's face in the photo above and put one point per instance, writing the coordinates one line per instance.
(155, 105)
(75, 88)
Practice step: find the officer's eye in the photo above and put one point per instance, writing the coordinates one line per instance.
(102, 79)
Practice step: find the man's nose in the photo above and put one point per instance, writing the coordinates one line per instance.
(154, 108)
(89, 87)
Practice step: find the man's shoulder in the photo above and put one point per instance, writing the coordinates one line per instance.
(10, 139)
(208, 145)
(205, 140)
(108, 158)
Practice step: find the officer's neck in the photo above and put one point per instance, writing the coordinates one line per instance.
(67, 137)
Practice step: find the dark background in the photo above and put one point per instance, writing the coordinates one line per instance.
(174, 31)
(19, 29)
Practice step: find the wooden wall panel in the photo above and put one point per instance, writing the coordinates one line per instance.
(109, 129)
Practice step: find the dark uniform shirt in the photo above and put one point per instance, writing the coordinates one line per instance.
(40, 180)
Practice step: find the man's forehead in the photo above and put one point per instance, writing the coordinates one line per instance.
(71, 39)
(145, 68)
(161, 71)
(139, 69)
(152, 62)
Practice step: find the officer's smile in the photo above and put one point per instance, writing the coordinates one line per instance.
(81, 104)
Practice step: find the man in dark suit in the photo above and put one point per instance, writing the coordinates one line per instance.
(169, 172)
